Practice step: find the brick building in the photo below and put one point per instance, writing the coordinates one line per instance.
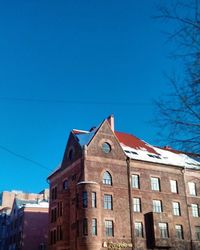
(115, 191)
(28, 225)
(23, 220)
(4, 215)
(7, 197)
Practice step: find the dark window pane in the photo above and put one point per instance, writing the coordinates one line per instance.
(84, 199)
(85, 227)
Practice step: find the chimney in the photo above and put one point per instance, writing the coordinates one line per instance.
(111, 121)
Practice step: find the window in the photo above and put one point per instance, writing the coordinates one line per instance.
(197, 232)
(54, 193)
(176, 208)
(155, 184)
(94, 226)
(174, 187)
(157, 206)
(85, 227)
(195, 210)
(65, 185)
(179, 232)
(109, 228)
(60, 208)
(108, 201)
(163, 227)
(192, 188)
(53, 237)
(138, 229)
(59, 233)
(94, 200)
(106, 148)
(84, 199)
(135, 181)
(154, 156)
(136, 205)
(107, 179)
(53, 214)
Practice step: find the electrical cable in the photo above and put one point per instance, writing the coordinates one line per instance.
(24, 158)
(38, 100)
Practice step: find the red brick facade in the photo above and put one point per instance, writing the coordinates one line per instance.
(89, 211)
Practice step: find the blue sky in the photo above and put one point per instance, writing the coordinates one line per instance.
(70, 64)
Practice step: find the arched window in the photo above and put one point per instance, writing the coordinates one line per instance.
(107, 179)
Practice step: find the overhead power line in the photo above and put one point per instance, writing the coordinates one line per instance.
(84, 102)
(24, 158)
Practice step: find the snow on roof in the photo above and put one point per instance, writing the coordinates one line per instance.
(17, 191)
(31, 203)
(40, 204)
(195, 158)
(161, 156)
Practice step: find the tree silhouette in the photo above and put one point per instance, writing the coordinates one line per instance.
(179, 111)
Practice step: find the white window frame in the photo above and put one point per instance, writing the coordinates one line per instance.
(94, 200)
(157, 206)
(197, 232)
(195, 210)
(192, 188)
(94, 226)
(139, 229)
(136, 204)
(179, 232)
(163, 228)
(176, 208)
(174, 186)
(135, 181)
(155, 184)
(107, 178)
(109, 228)
(108, 201)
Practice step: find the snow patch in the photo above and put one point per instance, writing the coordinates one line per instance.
(162, 156)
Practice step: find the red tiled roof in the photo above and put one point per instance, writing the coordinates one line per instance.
(133, 142)
(126, 139)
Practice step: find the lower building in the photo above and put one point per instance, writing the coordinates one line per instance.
(4, 215)
(24, 220)
(28, 225)
(7, 197)
(115, 191)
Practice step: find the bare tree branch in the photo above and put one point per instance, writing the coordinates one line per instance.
(178, 112)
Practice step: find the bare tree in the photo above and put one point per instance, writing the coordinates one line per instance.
(179, 112)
